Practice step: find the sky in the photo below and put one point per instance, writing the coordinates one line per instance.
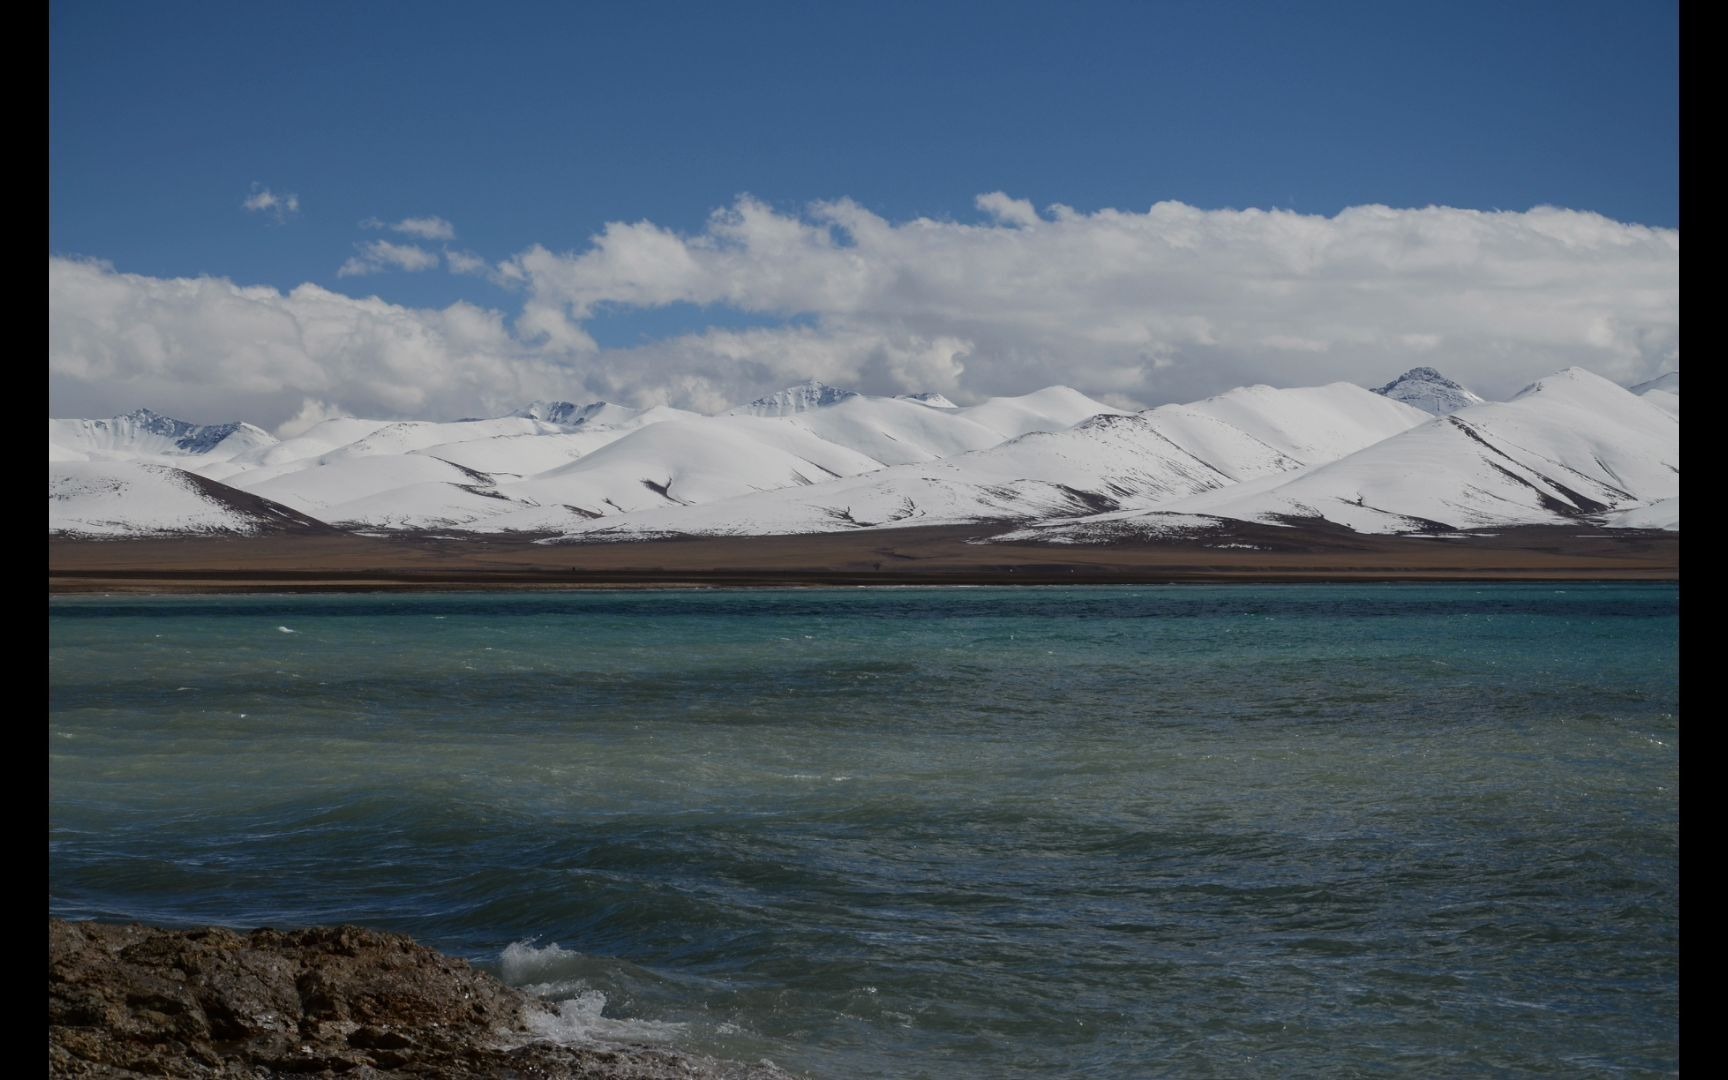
(438, 209)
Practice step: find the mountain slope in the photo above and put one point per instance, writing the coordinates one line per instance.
(677, 464)
(330, 491)
(1312, 423)
(1668, 382)
(1663, 392)
(135, 498)
(894, 431)
(1053, 408)
(316, 441)
(933, 400)
(540, 476)
(1662, 399)
(1570, 446)
(1109, 461)
(1106, 462)
(1662, 514)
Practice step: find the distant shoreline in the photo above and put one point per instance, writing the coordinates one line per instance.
(931, 556)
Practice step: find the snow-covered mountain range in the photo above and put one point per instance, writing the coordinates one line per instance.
(143, 433)
(1419, 454)
(1572, 446)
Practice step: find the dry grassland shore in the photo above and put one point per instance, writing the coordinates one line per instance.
(942, 555)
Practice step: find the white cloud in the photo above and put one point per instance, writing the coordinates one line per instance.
(422, 228)
(1170, 304)
(380, 255)
(466, 262)
(1007, 210)
(311, 414)
(209, 350)
(264, 201)
(1173, 303)
(471, 265)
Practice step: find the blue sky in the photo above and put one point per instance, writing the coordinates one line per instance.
(527, 124)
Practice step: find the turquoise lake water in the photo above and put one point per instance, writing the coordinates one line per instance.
(1178, 831)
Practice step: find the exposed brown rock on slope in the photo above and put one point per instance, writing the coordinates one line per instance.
(134, 1001)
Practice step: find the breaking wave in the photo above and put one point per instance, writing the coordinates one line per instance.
(578, 1010)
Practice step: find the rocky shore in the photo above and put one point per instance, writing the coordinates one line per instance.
(132, 1001)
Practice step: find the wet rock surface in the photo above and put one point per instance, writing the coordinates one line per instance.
(126, 1001)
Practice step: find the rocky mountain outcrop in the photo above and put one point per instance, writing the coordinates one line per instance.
(807, 395)
(1429, 391)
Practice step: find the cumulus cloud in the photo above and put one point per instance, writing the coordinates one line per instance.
(379, 255)
(264, 201)
(207, 349)
(422, 228)
(1008, 210)
(1170, 304)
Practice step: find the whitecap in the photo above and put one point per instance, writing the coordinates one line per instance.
(524, 962)
(552, 972)
(581, 1019)
(285, 630)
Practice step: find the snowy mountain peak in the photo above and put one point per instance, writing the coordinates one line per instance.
(1429, 391)
(547, 411)
(164, 433)
(934, 400)
(803, 397)
(1574, 381)
(569, 414)
(1106, 421)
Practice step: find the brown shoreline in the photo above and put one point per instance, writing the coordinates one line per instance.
(941, 555)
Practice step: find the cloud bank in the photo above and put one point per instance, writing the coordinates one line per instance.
(205, 348)
(1173, 303)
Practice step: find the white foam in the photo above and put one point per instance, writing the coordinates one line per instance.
(579, 1017)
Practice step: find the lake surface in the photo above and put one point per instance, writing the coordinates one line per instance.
(1083, 832)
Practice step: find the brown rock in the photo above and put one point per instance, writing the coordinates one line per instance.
(133, 1001)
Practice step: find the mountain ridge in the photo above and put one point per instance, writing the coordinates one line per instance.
(823, 458)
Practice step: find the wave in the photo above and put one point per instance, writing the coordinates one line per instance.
(578, 1015)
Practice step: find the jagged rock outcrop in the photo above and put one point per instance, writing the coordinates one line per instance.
(1429, 391)
(135, 1001)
